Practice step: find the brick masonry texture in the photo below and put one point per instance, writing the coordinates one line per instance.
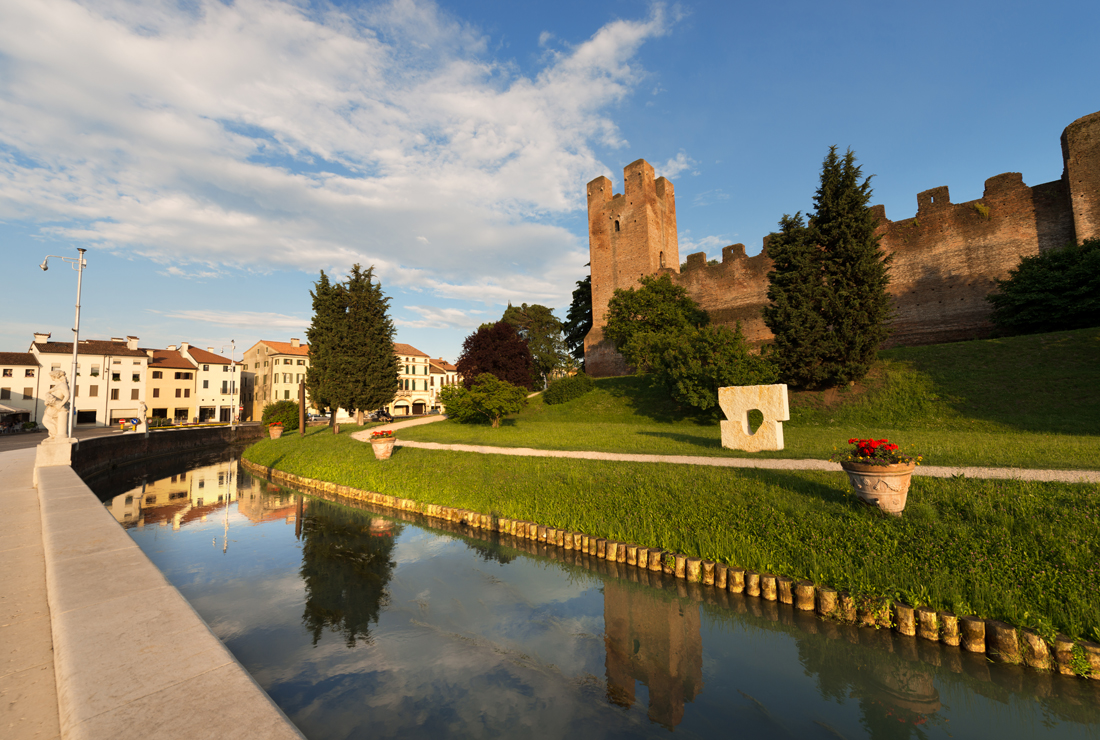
(946, 257)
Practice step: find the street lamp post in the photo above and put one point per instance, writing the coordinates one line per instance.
(233, 381)
(77, 264)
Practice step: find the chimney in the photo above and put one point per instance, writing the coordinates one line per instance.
(295, 343)
(150, 352)
(184, 346)
(210, 350)
(171, 348)
(116, 339)
(131, 342)
(41, 338)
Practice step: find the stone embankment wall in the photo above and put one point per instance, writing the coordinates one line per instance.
(97, 454)
(1000, 642)
(945, 258)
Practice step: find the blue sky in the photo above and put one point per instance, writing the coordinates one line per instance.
(213, 157)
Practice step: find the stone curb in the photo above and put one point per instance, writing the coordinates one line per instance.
(1001, 642)
(106, 597)
(930, 471)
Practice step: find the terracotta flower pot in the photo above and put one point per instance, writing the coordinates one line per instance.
(275, 432)
(884, 486)
(383, 448)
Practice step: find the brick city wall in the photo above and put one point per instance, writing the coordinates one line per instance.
(945, 258)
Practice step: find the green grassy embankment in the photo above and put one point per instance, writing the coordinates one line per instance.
(1029, 402)
(1022, 552)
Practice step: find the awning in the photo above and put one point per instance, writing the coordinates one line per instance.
(5, 410)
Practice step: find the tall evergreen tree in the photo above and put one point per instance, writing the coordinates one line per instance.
(367, 377)
(578, 321)
(323, 337)
(828, 305)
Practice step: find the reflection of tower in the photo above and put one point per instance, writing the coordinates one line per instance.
(656, 642)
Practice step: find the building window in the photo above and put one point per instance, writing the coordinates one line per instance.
(225, 368)
(206, 384)
(114, 394)
(7, 372)
(286, 395)
(93, 391)
(136, 378)
(225, 387)
(179, 393)
(133, 394)
(157, 375)
(187, 392)
(206, 368)
(5, 394)
(95, 371)
(29, 373)
(156, 393)
(301, 362)
(28, 393)
(116, 377)
(183, 376)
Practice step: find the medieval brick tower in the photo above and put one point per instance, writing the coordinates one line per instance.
(947, 258)
(629, 235)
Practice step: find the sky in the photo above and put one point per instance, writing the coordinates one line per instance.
(213, 157)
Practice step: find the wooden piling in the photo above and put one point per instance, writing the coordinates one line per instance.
(735, 580)
(632, 554)
(1001, 642)
(721, 573)
(693, 569)
(905, 620)
(708, 572)
(752, 583)
(949, 628)
(928, 626)
(785, 588)
(826, 601)
(1063, 655)
(601, 548)
(973, 634)
(681, 565)
(768, 589)
(655, 559)
(804, 596)
(1036, 651)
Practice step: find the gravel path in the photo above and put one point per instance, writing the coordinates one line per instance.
(931, 471)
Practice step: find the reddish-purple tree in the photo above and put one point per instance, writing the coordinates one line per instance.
(497, 350)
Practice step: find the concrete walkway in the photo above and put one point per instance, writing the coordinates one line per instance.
(931, 471)
(28, 690)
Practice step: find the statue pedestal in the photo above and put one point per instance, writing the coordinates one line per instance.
(52, 452)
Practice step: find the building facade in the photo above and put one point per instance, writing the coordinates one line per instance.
(110, 382)
(271, 371)
(20, 376)
(216, 383)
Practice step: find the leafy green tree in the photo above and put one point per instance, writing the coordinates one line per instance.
(488, 399)
(641, 320)
(578, 321)
(828, 305)
(568, 388)
(283, 411)
(1052, 291)
(697, 363)
(538, 326)
(498, 350)
(324, 337)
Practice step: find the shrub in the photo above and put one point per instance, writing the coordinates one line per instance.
(697, 363)
(566, 389)
(1052, 291)
(282, 411)
(488, 399)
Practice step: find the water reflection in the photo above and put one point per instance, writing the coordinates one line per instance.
(359, 622)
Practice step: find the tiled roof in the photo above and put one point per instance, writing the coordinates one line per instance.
(407, 349)
(89, 347)
(18, 358)
(201, 355)
(169, 358)
(443, 366)
(284, 348)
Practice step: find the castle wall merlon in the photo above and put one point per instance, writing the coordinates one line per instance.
(733, 252)
(638, 179)
(933, 199)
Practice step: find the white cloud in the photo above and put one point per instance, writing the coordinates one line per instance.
(710, 197)
(675, 166)
(265, 135)
(712, 244)
(441, 318)
(240, 319)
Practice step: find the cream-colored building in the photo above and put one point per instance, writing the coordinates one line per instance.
(216, 383)
(414, 377)
(20, 376)
(176, 500)
(111, 376)
(271, 371)
(170, 388)
(443, 375)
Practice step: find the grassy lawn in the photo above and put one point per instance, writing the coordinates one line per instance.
(1023, 552)
(1025, 402)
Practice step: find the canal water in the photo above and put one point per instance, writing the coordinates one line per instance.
(362, 624)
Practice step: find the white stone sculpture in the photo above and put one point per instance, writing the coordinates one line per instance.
(56, 416)
(738, 400)
(142, 425)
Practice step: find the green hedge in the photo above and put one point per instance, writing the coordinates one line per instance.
(566, 389)
(284, 411)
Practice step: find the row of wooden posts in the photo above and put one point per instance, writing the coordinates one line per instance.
(999, 641)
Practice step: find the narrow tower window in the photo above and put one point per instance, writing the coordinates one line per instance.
(616, 224)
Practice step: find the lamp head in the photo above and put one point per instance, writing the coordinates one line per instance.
(44, 266)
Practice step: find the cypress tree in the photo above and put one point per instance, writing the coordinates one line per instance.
(578, 321)
(323, 337)
(367, 377)
(828, 305)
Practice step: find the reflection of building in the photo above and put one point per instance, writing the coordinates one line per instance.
(178, 499)
(260, 506)
(656, 642)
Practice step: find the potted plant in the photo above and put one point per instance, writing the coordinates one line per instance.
(879, 473)
(275, 429)
(383, 442)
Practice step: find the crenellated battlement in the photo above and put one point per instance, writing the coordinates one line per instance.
(946, 257)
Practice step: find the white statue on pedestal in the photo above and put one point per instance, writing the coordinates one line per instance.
(56, 417)
(142, 425)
